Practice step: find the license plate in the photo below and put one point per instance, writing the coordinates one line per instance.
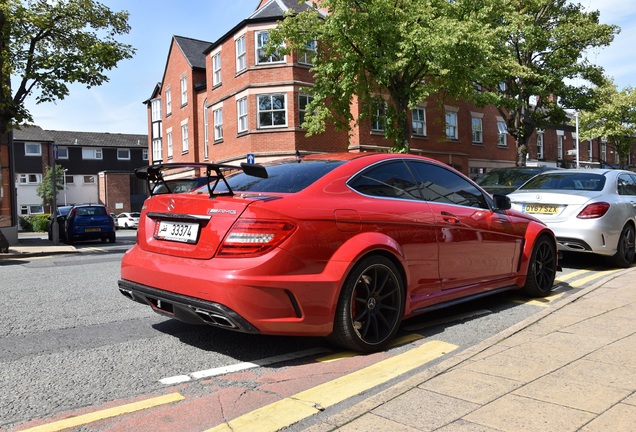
(184, 232)
(92, 229)
(541, 209)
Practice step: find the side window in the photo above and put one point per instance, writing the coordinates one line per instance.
(627, 184)
(389, 179)
(441, 185)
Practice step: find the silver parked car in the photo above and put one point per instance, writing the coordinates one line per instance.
(589, 210)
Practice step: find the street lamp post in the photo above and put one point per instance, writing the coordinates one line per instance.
(65, 185)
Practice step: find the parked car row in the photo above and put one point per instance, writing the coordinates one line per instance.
(589, 210)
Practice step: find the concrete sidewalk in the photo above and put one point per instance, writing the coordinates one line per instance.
(35, 244)
(569, 368)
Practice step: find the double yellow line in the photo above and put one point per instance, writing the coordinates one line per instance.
(291, 409)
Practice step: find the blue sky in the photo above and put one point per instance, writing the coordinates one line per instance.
(117, 106)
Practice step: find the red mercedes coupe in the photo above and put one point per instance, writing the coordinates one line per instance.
(338, 245)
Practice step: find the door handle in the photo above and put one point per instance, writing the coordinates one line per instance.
(450, 218)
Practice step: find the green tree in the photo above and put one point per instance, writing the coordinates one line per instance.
(46, 45)
(614, 119)
(406, 49)
(45, 189)
(541, 63)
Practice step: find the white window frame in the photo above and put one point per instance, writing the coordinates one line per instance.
(540, 144)
(240, 45)
(451, 125)
(169, 144)
(35, 149)
(157, 151)
(560, 137)
(260, 39)
(69, 179)
(185, 139)
(89, 153)
(123, 154)
(477, 127)
(303, 101)
(306, 57)
(144, 154)
(272, 111)
(217, 116)
(379, 120)
(502, 134)
(29, 209)
(168, 101)
(184, 90)
(589, 150)
(155, 109)
(604, 151)
(88, 179)
(241, 115)
(206, 132)
(62, 152)
(418, 121)
(216, 69)
(29, 179)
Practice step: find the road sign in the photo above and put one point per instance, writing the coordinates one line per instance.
(54, 151)
(250, 158)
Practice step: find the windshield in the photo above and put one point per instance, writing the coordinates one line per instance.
(512, 177)
(286, 177)
(566, 181)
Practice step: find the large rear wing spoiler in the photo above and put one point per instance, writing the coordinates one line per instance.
(154, 175)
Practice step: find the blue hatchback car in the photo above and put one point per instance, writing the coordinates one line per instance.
(89, 222)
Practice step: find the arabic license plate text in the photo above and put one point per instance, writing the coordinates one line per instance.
(184, 232)
(541, 209)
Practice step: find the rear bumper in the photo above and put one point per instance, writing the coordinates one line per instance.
(186, 309)
(244, 294)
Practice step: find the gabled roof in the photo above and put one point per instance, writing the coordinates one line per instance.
(193, 50)
(81, 139)
(278, 8)
(31, 133)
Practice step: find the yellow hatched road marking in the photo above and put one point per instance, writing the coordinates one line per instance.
(571, 275)
(543, 301)
(579, 282)
(106, 413)
(290, 410)
(403, 340)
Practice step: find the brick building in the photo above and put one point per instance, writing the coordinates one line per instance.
(98, 168)
(221, 101)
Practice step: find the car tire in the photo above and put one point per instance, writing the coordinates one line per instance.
(69, 240)
(370, 306)
(542, 268)
(624, 256)
(112, 238)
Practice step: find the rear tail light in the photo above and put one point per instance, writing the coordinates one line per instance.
(249, 237)
(594, 211)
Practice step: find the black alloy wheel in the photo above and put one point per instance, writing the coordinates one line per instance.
(370, 306)
(624, 256)
(542, 269)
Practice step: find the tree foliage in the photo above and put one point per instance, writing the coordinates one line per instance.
(45, 189)
(46, 45)
(613, 119)
(543, 65)
(411, 49)
(405, 49)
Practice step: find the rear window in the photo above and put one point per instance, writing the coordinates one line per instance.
(566, 182)
(287, 177)
(91, 211)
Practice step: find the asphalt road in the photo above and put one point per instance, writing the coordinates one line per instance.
(69, 340)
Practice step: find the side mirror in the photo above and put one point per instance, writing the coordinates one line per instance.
(502, 202)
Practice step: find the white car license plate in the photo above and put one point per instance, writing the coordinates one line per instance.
(541, 209)
(184, 232)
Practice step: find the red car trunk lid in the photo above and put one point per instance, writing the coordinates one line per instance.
(187, 225)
